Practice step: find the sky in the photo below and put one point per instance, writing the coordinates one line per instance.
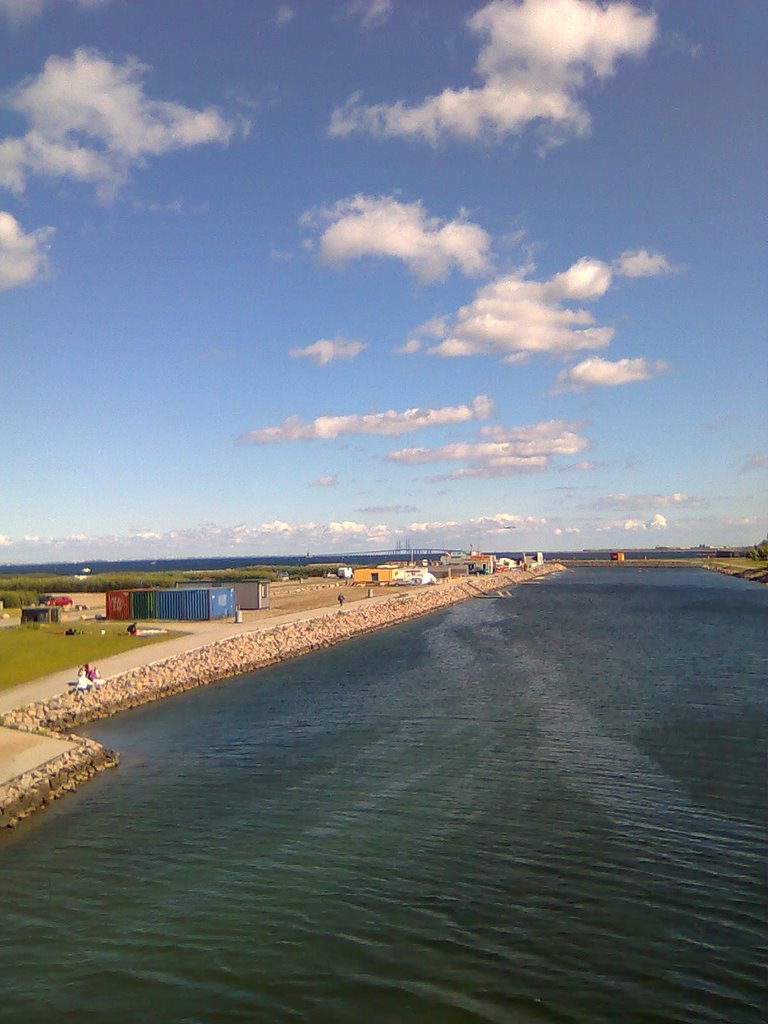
(342, 275)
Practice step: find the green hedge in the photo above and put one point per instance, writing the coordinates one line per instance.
(17, 598)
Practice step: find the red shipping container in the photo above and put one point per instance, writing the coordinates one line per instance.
(118, 604)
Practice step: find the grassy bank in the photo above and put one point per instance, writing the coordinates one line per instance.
(29, 652)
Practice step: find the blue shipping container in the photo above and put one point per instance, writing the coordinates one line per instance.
(169, 604)
(195, 605)
(222, 602)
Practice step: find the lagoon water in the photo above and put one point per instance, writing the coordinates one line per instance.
(544, 808)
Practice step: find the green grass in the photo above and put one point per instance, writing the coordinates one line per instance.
(29, 652)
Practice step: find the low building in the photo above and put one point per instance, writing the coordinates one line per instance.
(617, 556)
(379, 574)
(481, 565)
(42, 614)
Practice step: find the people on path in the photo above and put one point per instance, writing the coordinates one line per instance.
(93, 674)
(83, 682)
(340, 599)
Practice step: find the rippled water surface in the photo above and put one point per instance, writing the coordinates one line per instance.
(544, 808)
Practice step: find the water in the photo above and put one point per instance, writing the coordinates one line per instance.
(547, 808)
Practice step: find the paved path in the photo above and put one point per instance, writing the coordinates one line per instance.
(21, 752)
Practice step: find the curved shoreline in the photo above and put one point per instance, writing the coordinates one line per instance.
(210, 663)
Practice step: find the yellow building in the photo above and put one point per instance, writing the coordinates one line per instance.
(617, 556)
(378, 574)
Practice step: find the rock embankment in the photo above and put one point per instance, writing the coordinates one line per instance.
(33, 790)
(210, 663)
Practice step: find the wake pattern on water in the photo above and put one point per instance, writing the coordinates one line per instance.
(506, 813)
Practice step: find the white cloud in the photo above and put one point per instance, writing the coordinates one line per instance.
(408, 348)
(640, 501)
(536, 56)
(90, 120)
(656, 522)
(372, 13)
(388, 423)
(326, 350)
(19, 11)
(642, 263)
(283, 14)
(756, 461)
(597, 372)
(511, 451)
(515, 317)
(326, 481)
(471, 529)
(381, 226)
(23, 258)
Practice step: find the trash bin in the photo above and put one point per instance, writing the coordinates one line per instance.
(370, 591)
(238, 615)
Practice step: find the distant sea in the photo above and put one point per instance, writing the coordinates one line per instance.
(197, 564)
(548, 808)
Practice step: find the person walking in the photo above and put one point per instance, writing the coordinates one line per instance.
(340, 599)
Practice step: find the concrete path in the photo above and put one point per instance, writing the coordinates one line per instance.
(22, 752)
(197, 634)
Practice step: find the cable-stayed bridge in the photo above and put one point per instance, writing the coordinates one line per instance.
(411, 552)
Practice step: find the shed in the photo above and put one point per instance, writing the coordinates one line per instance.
(41, 613)
(617, 556)
(378, 573)
(249, 595)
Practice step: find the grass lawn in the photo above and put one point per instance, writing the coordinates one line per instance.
(31, 651)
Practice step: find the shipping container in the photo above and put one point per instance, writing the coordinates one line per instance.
(143, 604)
(170, 604)
(118, 604)
(252, 595)
(195, 605)
(222, 602)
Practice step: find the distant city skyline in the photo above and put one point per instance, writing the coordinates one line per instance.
(289, 277)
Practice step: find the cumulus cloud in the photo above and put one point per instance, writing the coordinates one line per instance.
(509, 452)
(384, 227)
(515, 317)
(536, 57)
(656, 522)
(640, 501)
(90, 120)
(371, 13)
(642, 263)
(326, 481)
(326, 350)
(388, 423)
(23, 257)
(597, 372)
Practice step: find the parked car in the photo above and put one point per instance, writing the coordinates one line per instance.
(52, 601)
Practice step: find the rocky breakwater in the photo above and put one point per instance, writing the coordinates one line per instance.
(248, 652)
(35, 789)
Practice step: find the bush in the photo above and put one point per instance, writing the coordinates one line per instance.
(17, 598)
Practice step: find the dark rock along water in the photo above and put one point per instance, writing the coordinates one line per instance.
(549, 807)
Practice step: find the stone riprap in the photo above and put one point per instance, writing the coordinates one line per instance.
(35, 789)
(221, 660)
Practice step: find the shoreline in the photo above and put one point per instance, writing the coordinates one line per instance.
(246, 652)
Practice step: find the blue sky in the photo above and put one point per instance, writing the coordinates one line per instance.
(331, 275)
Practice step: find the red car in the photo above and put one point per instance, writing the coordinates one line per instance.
(51, 601)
